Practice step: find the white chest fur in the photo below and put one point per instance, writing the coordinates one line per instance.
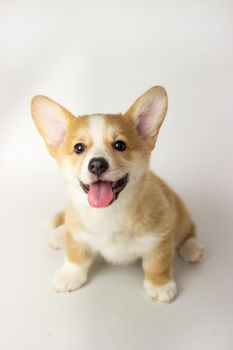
(118, 247)
(106, 233)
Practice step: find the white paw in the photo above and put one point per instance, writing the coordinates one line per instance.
(191, 250)
(69, 278)
(164, 293)
(57, 237)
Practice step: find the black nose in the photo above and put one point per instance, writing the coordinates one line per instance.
(98, 166)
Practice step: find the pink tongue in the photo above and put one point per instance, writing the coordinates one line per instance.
(100, 194)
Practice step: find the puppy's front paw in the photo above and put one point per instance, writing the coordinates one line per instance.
(69, 278)
(164, 293)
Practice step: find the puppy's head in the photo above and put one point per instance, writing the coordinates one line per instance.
(102, 154)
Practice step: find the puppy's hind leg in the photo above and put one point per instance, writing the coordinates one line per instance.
(185, 236)
(191, 250)
(57, 233)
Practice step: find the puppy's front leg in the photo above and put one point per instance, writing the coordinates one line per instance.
(157, 267)
(73, 273)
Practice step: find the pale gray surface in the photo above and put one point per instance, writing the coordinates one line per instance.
(97, 56)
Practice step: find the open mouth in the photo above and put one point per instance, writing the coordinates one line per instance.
(103, 193)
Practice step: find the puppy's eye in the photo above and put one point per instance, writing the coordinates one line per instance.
(119, 145)
(79, 148)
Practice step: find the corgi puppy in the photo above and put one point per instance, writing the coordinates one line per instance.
(117, 207)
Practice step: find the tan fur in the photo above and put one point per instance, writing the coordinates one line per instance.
(58, 220)
(154, 208)
(72, 218)
(158, 266)
(75, 252)
(167, 215)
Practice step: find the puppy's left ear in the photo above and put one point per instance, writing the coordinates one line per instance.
(148, 113)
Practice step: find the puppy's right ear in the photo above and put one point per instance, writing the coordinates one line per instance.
(51, 120)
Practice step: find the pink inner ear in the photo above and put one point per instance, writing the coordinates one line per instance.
(60, 135)
(141, 129)
(55, 132)
(144, 125)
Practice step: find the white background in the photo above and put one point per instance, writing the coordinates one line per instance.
(98, 56)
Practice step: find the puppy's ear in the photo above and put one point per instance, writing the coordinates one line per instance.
(51, 120)
(148, 113)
